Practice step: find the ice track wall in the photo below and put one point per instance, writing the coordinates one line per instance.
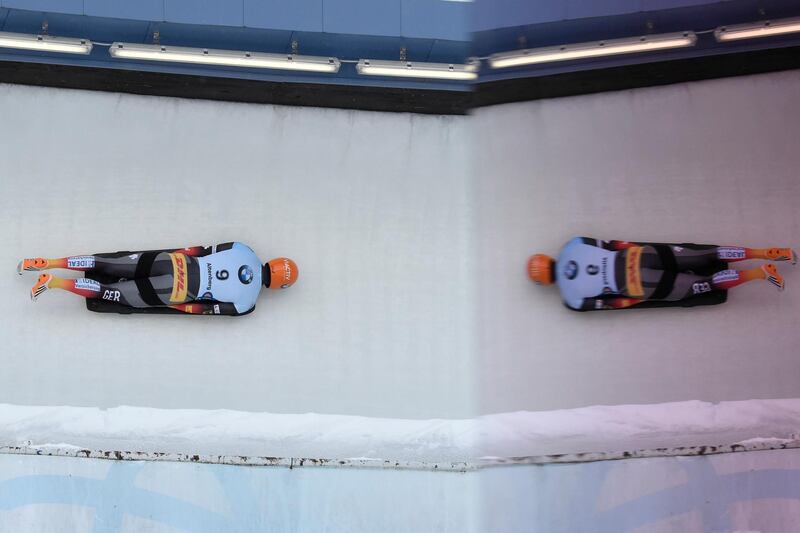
(708, 162)
(392, 221)
(373, 207)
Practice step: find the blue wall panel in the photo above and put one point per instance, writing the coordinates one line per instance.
(125, 9)
(56, 6)
(439, 19)
(436, 19)
(217, 12)
(428, 19)
(577, 9)
(654, 5)
(255, 40)
(299, 15)
(363, 17)
(58, 23)
(491, 14)
(449, 51)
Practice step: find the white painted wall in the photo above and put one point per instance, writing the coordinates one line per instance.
(44, 494)
(373, 207)
(709, 162)
(744, 492)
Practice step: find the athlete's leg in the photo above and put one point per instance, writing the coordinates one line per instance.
(734, 253)
(693, 256)
(728, 279)
(123, 292)
(118, 264)
(688, 285)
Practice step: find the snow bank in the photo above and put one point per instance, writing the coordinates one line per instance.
(751, 491)
(224, 432)
(639, 427)
(598, 430)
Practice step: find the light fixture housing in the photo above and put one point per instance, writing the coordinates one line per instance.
(753, 30)
(413, 69)
(227, 58)
(45, 43)
(628, 45)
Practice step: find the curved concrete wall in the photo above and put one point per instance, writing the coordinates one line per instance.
(709, 162)
(745, 491)
(372, 206)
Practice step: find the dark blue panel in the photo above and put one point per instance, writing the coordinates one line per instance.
(226, 37)
(364, 17)
(492, 14)
(56, 6)
(107, 30)
(218, 12)
(59, 24)
(654, 5)
(449, 52)
(436, 19)
(353, 46)
(125, 9)
(578, 9)
(28, 22)
(298, 15)
(367, 47)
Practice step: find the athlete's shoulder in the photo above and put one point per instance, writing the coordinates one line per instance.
(242, 247)
(575, 303)
(233, 245)
(588, 241)
(575, 241)
(244, 310)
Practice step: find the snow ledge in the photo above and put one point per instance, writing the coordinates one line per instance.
(597, 433)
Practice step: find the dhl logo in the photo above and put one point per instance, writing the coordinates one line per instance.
(633, 272)
(179, 281)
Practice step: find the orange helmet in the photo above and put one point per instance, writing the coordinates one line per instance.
(280, 273)
(540, 269)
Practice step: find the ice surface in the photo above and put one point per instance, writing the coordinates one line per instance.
(709, 162)
(373, 207)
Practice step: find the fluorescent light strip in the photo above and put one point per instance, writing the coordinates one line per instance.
(593, 49)
(758, 29)
(410, 69)
(45, 43)
(228, 58)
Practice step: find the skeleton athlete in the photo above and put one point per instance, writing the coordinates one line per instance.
(224, 279)
(593, 274)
